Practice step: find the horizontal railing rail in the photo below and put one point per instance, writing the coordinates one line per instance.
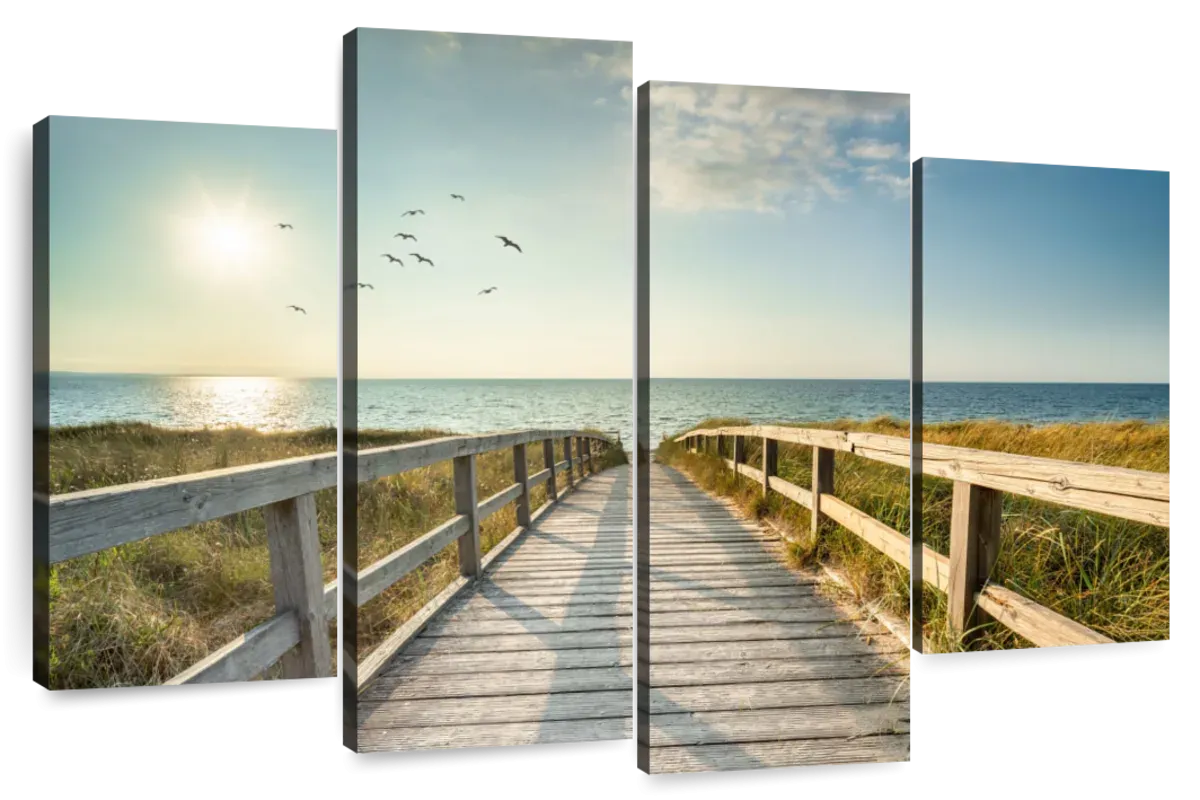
(298, 635)
(979, 479)
(463, 528)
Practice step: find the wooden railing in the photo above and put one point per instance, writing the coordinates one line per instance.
(979, 479)
(463, 527)
(298, 635)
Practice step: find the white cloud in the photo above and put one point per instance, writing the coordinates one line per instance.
(627, 93)
(888, 182)
(444, 43)
(599, 101)
(758, 148)
(617, 64)
(873, 149)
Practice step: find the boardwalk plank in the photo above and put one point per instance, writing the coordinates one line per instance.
(749, 665)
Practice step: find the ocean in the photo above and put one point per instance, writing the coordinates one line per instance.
(280, 404)
(677, 404)
(474, 406)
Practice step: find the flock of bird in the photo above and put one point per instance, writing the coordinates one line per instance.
(420, 258)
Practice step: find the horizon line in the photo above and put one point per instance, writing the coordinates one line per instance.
(596, 378)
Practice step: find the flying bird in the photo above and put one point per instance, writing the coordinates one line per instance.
(391, 259)
(365, 286)
(282, 225)
(510, 243)
(405, 236)
(413, 213)
(458, 197)
(489, 290)
(298, 308)
(420, 258)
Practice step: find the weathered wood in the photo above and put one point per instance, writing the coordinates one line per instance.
(84, 522)
(533, 682)
(549, 462)
(570, 462)
(974, 545)
(821, 722)
(543, 637)
(247, 656)
(498, 501)
(96, 519)
(812, 437)
(1128, 493)
(822, 483)
(296, 577)
(381, 656)
(1136, 495)
(381, 462)
(538, 478)
(888, 541)
(796, 494)
(787, 753)
(770, 463)
(1038, 624)
(744, 648)
(739, 453)
(506, 733)
(521, 476)
(394, 566)
(470, 554)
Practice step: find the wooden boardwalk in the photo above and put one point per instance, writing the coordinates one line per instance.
(750, 665)
(538, 650)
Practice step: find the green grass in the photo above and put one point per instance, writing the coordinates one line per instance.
(1109, 574)
(394, 511)
(143, 612)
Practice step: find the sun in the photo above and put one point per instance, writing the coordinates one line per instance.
(227, 240)
(221, 236)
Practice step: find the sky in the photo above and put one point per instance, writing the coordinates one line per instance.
(1038, 273)
(164, 258)
(779, 233)
(537, 135)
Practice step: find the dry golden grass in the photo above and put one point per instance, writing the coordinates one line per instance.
(1106, 573)
(143, 612)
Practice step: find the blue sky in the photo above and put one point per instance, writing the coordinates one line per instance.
(164, 257)
(779, 233)
(536, 134)
(1045, 273)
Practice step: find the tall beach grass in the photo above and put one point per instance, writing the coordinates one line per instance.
(1109, 574)
(143, 612)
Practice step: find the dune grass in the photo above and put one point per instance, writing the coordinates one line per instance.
(1109, 574)
(141, 613)
(394, 511)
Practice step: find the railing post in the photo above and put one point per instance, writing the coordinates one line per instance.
(974, 546)
(739, 452)
(567, 456)
(295, 555)
(770, 463)
(521, 476)
(470, 555)
(822, 481)
(720, 445)
(548, 458)
(587, 450)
